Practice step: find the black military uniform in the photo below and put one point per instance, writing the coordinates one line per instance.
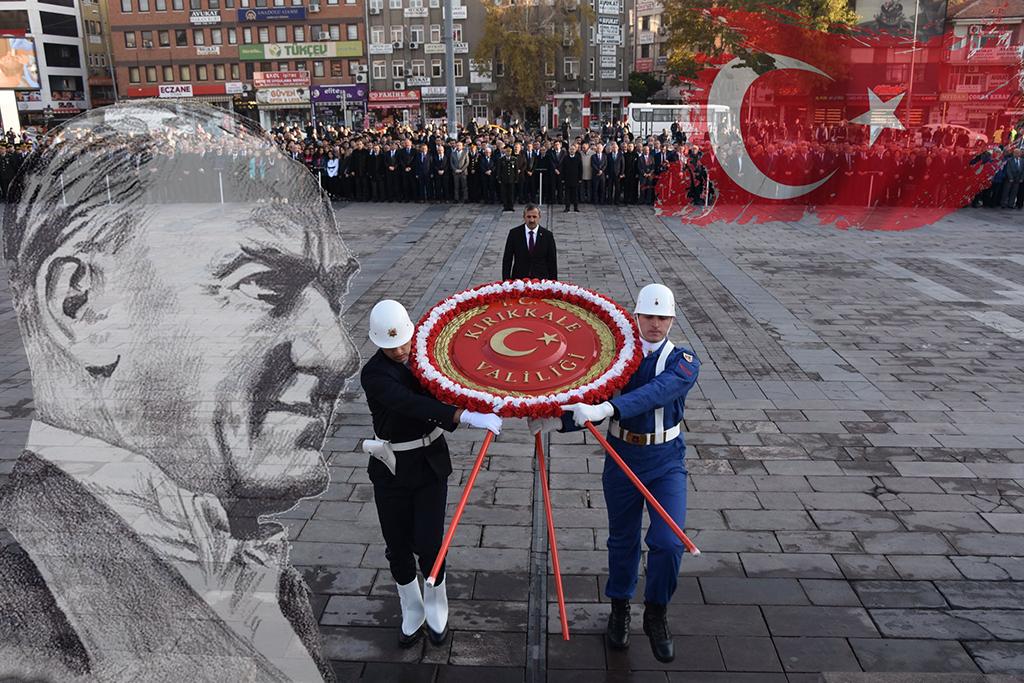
(508, 176)
(411, 502)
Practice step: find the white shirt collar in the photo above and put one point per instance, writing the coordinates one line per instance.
(237, 579)
(650, 347)
(535, 231)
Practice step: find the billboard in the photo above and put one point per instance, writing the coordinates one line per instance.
(267, 51)
(271, 13)
(277, 79)
(18, 67)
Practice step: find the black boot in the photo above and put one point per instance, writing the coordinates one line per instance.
(618, 625)
(656, 628)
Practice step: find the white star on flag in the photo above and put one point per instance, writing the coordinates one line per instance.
(880, 115)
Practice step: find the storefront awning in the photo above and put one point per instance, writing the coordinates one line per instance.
(396, 104)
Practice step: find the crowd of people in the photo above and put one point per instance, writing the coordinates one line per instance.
(610, 165)
(485, 165)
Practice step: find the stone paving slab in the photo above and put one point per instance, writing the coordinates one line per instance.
(854, 444)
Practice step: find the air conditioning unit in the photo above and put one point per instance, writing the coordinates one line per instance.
(323, 35)
(414, 46)
(397, 45)
(361, 78)
(566, 42)
(375, 11)
(550, 85)
(363, 69)
(398, 85)
(314, 7)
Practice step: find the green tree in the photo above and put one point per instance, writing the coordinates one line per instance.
(693, 31)
(643, 85)
(523, 37)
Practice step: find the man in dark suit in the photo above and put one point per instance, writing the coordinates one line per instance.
(137, 542)
(529, 250)
(571, 172)
(421, 167)
(439, 175)
(615, 174)
(409, 469)
(395, 173)
(553, 178)
(407, 164)
(599, 175)
(487, 168)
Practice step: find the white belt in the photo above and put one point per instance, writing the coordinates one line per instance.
(416, 443)
(636, 439)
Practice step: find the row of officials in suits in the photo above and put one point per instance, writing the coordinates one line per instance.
(509, 174)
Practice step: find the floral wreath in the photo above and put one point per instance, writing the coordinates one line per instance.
(619, 321)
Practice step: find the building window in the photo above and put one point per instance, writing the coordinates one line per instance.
(177, 5)
(352, 31)
(216, 36)
(129, 39)
(218, 72)
(395, 4)
(143, 5)
(264, 34)
(133, 74)
(198, 36)
(335, 31)
(435, 33)
(185, 72)
(436, 68)
(458, 68)
(380, 71)
(398, 69)
(318, 68)
(247, 35)
(353, 67)
(300, 66)
(416, 34)
(214, 4)
(571, 67)
(250, 69)
(235, 72)
(195, 4)
(168, 74)
(163, 38)
(480, 112)
(202, 73)
(281, 34)
(591, 68)
(377, 5)
(161, 5)
(146, 37)
(300, 34)
(150, 74)
(417, 67)
(499, 68)
(549, 68)
(181, 37)
(645, 51)
(457, 33)
(396, 34)
(376, 35)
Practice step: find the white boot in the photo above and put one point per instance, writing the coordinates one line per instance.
(435, 602)
(412, 613)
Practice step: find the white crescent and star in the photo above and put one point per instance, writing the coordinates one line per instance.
(729, 91)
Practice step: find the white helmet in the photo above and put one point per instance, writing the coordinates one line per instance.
(390, 326)
(655, 299)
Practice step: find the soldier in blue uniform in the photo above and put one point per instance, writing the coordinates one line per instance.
(646, 430)
(409, 469)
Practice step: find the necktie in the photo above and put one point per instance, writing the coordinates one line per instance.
(529, 242)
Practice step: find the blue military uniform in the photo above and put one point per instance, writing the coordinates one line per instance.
(651, 403)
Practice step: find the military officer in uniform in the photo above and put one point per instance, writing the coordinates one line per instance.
(646, 430)
(508, 176)
(409, 469)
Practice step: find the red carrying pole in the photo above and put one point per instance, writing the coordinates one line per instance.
(643, 489)
(555, 567)
(458, 511)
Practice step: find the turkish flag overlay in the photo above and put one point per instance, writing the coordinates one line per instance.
(832, 124)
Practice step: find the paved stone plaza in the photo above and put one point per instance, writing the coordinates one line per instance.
(855, 446)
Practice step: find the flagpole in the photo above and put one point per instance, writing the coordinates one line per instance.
(913, 63)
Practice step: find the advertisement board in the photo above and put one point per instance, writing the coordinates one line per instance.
(272, 13)
(288, 95)
(272, 79)
(338, 48)
(203, 17)
(18, 67)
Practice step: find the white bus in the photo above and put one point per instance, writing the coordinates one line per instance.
(652, 119)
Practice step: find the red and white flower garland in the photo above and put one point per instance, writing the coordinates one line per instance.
(627, 349)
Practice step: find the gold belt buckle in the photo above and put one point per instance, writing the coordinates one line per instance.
(638, 439)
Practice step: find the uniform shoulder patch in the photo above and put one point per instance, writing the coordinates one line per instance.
(687, 357)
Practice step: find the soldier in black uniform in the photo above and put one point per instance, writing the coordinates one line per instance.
(508, 176)
(409, 469)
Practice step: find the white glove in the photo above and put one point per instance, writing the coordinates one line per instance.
(380, 450)
(481, 421)
(583, 413)
(543, 424)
